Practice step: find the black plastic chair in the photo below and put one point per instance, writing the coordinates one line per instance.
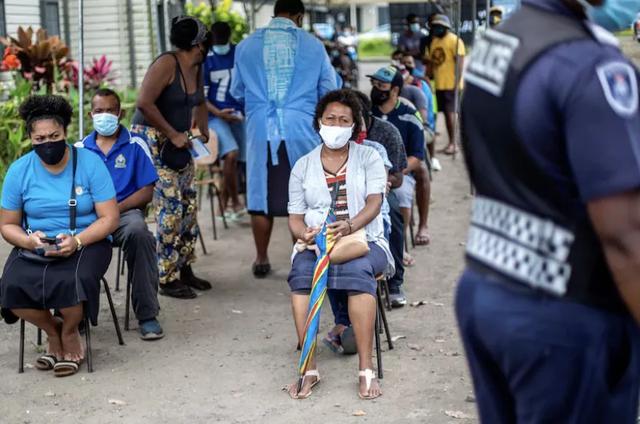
(87, 332)
(120, 272)
(382, 326)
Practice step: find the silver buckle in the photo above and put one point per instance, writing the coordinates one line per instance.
(73, 202)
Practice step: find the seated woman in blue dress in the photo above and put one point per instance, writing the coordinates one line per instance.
(56, 263)
(351, 179)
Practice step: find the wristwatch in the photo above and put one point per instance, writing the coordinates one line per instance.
(78, 243)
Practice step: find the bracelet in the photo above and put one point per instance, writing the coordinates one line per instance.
(79, 244)
(350, 222)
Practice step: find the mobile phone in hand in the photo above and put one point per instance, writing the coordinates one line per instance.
(50, 244)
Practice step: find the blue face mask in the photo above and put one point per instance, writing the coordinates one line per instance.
(613, 15)
(105, 124)
(222, 49)
(414, 27)
(417, 73)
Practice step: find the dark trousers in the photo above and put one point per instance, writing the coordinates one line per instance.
(339, 300)
(396, 243)
(139, 248)
(538, 359)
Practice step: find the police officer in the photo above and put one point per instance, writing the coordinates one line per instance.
(549, 304)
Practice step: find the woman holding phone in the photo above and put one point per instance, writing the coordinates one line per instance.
(58, 209)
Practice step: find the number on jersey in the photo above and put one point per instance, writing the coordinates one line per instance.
(222, 78)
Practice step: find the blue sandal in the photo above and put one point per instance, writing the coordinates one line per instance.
(334, 343)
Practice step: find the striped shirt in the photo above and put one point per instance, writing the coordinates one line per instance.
(340, 180)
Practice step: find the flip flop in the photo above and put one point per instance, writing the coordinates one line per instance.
(408, 260)
(422, 240)
(46, 362)
(66, 368)
(369, 376)
(449, 151)
(261, 270)
(333, 342)
(310, 373)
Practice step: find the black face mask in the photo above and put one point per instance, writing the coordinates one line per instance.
(51, 152)
(378, 97)
(439, 31)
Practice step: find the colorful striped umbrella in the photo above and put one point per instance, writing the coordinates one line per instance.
(325, 244)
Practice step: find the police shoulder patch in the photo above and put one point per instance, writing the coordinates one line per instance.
(620, 85)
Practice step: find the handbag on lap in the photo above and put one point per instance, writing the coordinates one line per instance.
(349, 247)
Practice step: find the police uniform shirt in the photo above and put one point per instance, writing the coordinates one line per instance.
(129, 162)
(577, 115)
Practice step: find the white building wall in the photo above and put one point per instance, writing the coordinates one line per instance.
(21, 13)
(106, 32)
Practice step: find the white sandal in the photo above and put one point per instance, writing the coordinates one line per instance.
(310, 373)
(368, 375)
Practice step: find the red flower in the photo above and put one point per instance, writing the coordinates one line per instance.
(11, 62)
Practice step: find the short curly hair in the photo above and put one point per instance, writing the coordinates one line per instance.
(39, 107)
(345, 97)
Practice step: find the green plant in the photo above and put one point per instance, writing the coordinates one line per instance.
(221, 13)
(375, 48)
(13, 140)
(41, 58)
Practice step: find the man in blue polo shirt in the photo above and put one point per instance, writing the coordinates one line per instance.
(129, 162)
(385, 95)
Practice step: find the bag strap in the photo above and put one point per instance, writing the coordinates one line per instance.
(334, 194)
(73, 203)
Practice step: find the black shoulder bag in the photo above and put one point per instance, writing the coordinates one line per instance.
(73, 203)
(173, 157)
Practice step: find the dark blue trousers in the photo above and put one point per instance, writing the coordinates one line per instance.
(396, 243)
(538, 359)
(339, 300)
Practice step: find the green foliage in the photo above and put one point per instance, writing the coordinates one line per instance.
(40, 56)
(375, 48)
(222, 13)
(14, 141)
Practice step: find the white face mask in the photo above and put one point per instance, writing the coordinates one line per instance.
(335, 138)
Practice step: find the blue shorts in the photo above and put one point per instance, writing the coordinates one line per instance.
(230, 137)
(357, 275)
(406, 191)
(539, 359)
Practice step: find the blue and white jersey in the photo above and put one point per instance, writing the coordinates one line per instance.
(218, 71)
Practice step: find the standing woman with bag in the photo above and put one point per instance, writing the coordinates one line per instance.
(171, 99)
(58, 209)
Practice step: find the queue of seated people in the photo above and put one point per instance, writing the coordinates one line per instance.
(60, 253)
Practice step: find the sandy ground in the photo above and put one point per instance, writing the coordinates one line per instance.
(228, 353)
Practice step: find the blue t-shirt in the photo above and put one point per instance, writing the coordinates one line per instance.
(44, 196)
(577, 115)
(129, 162)
(431, 106)
(409, 122)
(218, 71)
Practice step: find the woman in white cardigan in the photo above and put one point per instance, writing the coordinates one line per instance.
(352, 179)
